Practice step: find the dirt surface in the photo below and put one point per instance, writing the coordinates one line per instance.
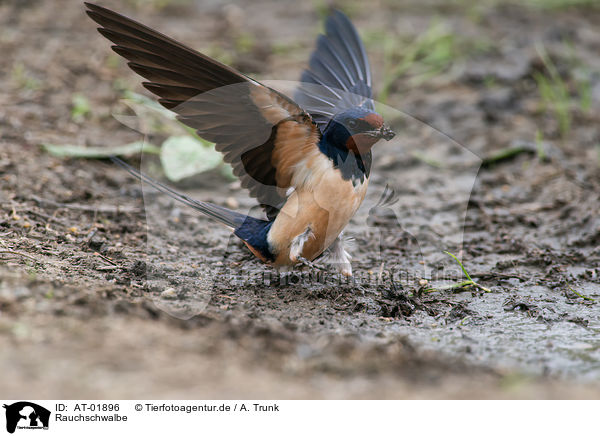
(108, 290)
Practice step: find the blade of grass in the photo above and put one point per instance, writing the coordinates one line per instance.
(464, 284)
(506, 154)
(581, 295)
(554, 91)
(460, 264)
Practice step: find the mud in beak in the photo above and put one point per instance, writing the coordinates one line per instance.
(386, 133)
(362, 142)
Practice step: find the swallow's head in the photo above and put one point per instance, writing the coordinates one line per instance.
(357, 129)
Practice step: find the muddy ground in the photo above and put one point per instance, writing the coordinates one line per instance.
(105, 295)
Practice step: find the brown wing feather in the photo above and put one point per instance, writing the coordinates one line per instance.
(261, 133)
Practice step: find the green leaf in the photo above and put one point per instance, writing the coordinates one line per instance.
(100, 152)
(184, 156)
(80, 107)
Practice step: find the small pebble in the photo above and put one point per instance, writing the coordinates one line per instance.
(232, 203)
(168, 294)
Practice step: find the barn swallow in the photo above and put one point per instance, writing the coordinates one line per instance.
(307, 160)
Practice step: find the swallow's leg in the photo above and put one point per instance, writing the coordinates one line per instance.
(339, 257)
(304, 261)
(298, 245)
(310, 264)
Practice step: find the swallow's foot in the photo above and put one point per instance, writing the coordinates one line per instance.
(340, 258)
(310, 264)
(306, 262)
(298, 244)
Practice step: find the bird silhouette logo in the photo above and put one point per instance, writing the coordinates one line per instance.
(26, 415)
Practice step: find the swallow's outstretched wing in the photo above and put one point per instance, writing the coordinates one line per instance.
(261, 133)
(338, 76)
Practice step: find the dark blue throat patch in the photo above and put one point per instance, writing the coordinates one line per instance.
(254, 231)
(334, 142)
(352, 166)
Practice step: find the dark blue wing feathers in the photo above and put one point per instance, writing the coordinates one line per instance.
(344, 34)
(338, 76)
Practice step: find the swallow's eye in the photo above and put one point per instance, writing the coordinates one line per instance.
(352, 124)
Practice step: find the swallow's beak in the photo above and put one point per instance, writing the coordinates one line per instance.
(363, 141)
(383, 132)
(386, 133)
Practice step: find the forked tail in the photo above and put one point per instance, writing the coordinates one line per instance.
(221, 214)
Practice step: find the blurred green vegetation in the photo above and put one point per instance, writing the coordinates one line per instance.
(23, 79)
(80, 107)
(406, 60)
(182, 152)
(566, 93)
(560, 4)
(534, 4)
(418, 60)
